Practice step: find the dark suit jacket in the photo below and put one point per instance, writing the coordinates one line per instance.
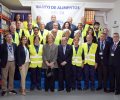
(67, 57)
(73, 28)
(21, 55)
(115, 60)
(4, 54)
(49, 26)
(110, 40)
(105, 55)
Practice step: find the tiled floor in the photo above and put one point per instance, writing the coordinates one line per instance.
(74, 95)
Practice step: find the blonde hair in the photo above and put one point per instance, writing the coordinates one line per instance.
(50, 34)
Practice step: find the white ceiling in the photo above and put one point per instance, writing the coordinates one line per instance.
(16, 4)
(107, 1)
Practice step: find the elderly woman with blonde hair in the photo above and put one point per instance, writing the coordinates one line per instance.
(67, 33)
(50, 51)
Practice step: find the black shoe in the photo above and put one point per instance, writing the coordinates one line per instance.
(117, 93)
(73, 89)
(86, 88)
(92, 89)
(52, 90)
(46, 90)
(32, 88)
(106, 90)
(111, 90)
(68, 90)
(60, 89)
(38, 88)
(99, 88)
(12, 92)
(79, 89)
(3, 93)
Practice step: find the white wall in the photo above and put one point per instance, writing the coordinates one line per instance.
(114, 15)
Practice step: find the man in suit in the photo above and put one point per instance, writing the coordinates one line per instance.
(8, 60)
(73, 27)
(64, 62)
(103, 55)
(114, 62)
(49, 25)
(108, 38)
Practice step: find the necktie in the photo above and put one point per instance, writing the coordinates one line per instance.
(10, 48)
(102, 46)
(114, 47)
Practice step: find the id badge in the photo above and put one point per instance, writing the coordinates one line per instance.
(100, 53)
(101, 57)
(112, 54)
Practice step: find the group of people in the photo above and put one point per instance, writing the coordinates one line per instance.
(69, 55)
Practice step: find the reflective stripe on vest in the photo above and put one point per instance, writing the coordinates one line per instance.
(35, 58)
(77, 57)
(90, 56)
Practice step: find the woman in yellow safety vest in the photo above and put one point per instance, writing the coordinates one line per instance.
(36, 51)
(77, 64)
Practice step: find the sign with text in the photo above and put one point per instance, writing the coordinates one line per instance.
(62, 10)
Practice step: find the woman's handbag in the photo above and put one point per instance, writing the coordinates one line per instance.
(49, 72)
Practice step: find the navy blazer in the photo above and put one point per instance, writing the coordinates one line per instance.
(115, 60)
(21, 55)
(49, 26)
(4, 54)
(64, 57)
(105, 55)
(73, 28)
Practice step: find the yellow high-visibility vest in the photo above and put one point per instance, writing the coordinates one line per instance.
(31, 39)
(16, 39)
(77, 56)
(90, 56)
(43, 37)
(99, 33)
(25, 24)
(36, 58)
(27, 34)
(70, 41)
(58, 37)
(84, 32)
(20, 33)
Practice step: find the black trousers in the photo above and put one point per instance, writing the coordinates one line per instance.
(112, 77)
(114, 74)
(0, 77)
(35, 76)
(102, 75)
(50, 81)
(65, 74)
(117, 78)
(76, 77)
